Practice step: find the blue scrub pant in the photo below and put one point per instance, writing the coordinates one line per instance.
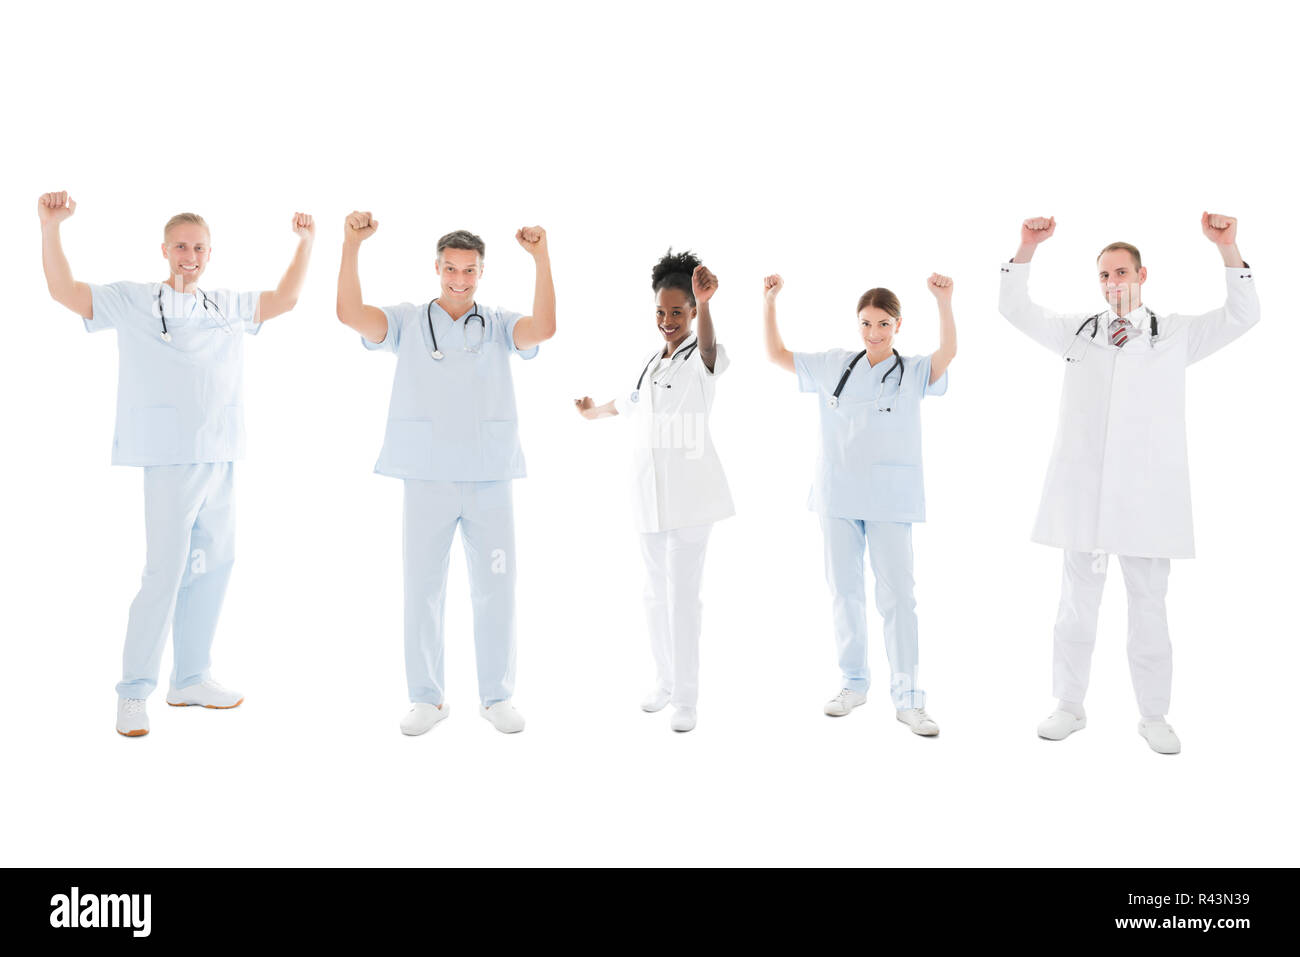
(485, 513)
(189, 526)
(890, 545)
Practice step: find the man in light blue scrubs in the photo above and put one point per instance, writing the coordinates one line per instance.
(180, 416)
(453, 438)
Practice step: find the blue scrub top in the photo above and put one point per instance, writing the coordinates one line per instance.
(869, 464)
(451, 419)
(179, 402)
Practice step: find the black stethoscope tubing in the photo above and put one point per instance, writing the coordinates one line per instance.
(474, 314)
(683, 353)
(1095, 321)
(167, 336)
(898, 364)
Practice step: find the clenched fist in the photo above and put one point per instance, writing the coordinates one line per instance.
(772, 285)
(1034, 231)
(55, 207)
(304, 226)
(703, 285)
(1219, 229)
(359, 227)
(941, 286)
(533, 239)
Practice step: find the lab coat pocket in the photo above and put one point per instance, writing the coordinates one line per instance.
(410, 445)
(157, 433)
(898, 489)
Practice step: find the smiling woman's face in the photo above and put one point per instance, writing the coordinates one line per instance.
(673, 314)
(877, 328)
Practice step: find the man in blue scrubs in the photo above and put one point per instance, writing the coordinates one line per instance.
(180, 416)
(453, 438)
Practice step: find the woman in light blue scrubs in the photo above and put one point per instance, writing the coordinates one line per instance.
(868, 488)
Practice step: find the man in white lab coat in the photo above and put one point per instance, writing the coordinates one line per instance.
(1118, 481)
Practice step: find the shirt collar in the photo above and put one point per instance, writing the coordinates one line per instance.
(1139, 318)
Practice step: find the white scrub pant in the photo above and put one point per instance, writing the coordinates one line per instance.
(485, 513)
(1150, 654)
(674, 566)
(890, 545)
(189, 526)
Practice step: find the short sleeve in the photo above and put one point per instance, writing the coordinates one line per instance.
(810, 368)
(506, 321)
(393, 337)
(720, 362)
(919, 373)
(110, 305)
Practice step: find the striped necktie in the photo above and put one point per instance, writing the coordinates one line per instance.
(1119, 329)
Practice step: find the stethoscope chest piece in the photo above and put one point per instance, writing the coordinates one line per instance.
(833, 402)
(436, 353)
(166, 337)
(636, 395)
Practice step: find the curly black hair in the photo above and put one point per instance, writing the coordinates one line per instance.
(673, 271)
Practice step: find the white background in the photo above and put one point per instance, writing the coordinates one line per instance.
(843, 146)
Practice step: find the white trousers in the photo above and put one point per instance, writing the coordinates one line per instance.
(674, 566)
(890, 545)
(189, 528)
(1150, 654)
(485, 513)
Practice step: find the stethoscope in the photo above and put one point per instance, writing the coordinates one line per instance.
(167, 336)
(474, 314)
(1071, 355)
(682, 353)
(834, 400)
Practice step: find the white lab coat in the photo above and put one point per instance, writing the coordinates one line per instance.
(677, 477)
(1118, 480)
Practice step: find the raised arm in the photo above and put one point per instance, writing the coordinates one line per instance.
(776, 350)
(1214, 330)
(54, 208)
(703, 285)
(1032, 232)
(941, 286)
(282, 298)
(370, 321)
(540, 326)
(588, 408)
(1047, 329)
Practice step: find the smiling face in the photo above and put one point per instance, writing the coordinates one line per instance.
(187, 247)
(674, 315)
(458, 271)
(1120, 280)
(878, 328)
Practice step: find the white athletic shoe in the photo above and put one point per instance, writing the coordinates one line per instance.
(503, 716)
(683, 719)
(132, 721)
(655, 700)
(918, 721)
(1159, 735)
(206, 694)
(1059, 725)
(843, 703)
(423, 716)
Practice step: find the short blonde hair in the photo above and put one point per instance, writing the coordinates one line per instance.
(193, 218)
(1128, 248)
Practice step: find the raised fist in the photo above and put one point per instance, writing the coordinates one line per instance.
(1218, 229)
(1034, 231)
(304, 226)
(584, 405)
(941, 286)
(359, 227)
(703, 285)
(772, 285)
(55, 207)
(532, 238)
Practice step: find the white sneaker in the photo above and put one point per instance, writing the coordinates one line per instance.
(843, 703)
(206, 694)
(423, 716)
(1059, 725)
(1159, 735)
(132, 721)
(656, 700)
(683, 719)
(503, 716)
(918, 721)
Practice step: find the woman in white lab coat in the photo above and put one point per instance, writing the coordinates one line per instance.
(678, 483)
(869, 488)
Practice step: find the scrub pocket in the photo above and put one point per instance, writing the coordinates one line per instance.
(409, 445)
(899, 488)
(156, 433)
(500, 443)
